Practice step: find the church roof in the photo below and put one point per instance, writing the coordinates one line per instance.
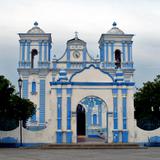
(35, 29)
(76, 40)
(115, 30)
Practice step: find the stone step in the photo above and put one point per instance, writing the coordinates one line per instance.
(90, 146)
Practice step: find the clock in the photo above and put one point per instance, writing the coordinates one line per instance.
(76, 54)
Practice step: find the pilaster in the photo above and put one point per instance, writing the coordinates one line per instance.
(106, 51)
(115, 115)
(59, 116)
(45, 51)
(129, 51)
(25, 88)
(42, 102)
(84, 57)
(124, 109)
(101, 52)
(112, 52)
(40, 51)
(123, 51)
(68, 58)
(69, 132)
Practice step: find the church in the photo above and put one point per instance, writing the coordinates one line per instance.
(77, 94)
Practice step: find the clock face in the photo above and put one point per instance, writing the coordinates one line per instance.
(76, 54)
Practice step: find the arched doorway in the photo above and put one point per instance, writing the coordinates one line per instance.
(92, 120)
(81, 120)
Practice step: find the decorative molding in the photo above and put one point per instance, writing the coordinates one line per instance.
(95, 67)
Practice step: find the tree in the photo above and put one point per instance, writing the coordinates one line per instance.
(12, 107)
(147, 105)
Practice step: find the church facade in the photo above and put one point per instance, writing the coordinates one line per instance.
(77, 94)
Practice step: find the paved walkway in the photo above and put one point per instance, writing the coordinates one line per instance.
(104, 154)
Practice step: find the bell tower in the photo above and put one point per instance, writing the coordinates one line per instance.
(116, 48)
(35, 47)
(116, 52)
(34, 66)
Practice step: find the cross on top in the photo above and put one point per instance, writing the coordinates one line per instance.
(76, 35)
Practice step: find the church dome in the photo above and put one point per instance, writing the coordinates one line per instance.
(35, 29)
(115, 30)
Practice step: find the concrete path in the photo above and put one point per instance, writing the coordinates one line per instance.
(104, 154)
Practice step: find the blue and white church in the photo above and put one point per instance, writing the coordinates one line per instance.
(78, 94)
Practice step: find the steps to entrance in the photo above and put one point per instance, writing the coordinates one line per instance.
(90, 146)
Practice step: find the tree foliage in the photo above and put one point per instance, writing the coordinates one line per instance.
(12, 107)
(147, 105)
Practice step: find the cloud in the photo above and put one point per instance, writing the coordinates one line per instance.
(90, 18)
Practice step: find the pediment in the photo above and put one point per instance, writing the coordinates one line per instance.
(91, 74)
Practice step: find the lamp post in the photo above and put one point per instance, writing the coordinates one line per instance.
(20, 121)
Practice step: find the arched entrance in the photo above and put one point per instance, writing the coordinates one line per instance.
(92, 120)
(81, 120)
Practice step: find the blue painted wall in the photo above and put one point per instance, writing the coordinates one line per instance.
(42, 102)
(25, 89)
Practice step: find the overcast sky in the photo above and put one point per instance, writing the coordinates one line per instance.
(90, 18)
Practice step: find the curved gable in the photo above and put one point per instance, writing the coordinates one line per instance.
(91, 74)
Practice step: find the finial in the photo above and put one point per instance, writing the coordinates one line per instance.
(114, 24)
(76, 35)
(35, 24)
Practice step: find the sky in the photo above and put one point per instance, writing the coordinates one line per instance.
(90, 18)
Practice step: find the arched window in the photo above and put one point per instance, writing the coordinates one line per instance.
(33, 54)
(95, 119)
(33, 87)
(117, 58)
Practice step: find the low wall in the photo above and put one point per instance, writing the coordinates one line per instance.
(48, 135)
(29, 137)
(142, 136)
